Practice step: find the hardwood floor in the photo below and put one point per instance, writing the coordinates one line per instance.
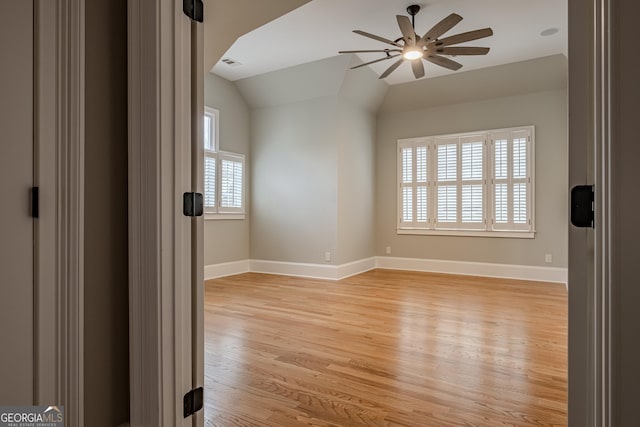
(385, 348)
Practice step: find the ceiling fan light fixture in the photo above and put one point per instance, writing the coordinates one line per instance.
(413, 48)
(413, 52)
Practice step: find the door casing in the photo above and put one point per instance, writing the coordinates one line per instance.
(591, 67)
(59, 144)
(58, 171)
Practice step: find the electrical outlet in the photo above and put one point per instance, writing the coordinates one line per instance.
(327, 256)
(388, 250)
(548, 258)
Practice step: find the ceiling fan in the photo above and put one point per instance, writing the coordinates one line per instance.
(411, 47)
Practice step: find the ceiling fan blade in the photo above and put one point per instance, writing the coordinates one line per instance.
(462, 50)
(464, 37)
(380, 39)
(370, 51)
(377, 60)
(441, 27)
(418, 68)
(407, 29)
(444, 62)
(392, 68)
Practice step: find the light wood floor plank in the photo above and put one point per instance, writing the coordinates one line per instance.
(385, 348)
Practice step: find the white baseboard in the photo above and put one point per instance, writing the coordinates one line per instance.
(506, 271)
(315, 271)
(337, 272)
(356, 267)
(215, 271)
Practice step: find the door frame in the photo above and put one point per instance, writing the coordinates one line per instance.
(59, 231)
(592, 63)
(160, 255)
(157, 120)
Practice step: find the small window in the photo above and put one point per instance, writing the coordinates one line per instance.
(471, 184)
(224, 175)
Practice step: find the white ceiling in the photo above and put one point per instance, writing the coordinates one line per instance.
(320, 28)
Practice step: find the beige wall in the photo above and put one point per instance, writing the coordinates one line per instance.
(501, 81)
(294, 182)
(228, 240)
(356, 175)
(361, 93)
(313, 158)
(106, 324)
(547, 110)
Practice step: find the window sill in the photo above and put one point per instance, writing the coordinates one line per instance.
(217, 216)
(469, 233)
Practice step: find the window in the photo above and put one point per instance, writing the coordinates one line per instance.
(224, 175)
(473, 184)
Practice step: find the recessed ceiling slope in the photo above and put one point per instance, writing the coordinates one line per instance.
(321, 28)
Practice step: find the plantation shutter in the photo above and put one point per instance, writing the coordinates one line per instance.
(231, 183)
(520, 177)
(406, 183)
(511, 180)
(466, 184)
(472, 212)
(501, 180)
(447, 182)
(413, 176)
(210, 161)
(422, 215)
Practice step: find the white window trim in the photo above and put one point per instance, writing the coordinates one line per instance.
(468, 233)
(485, 229)
(216, 212)
(221, 216)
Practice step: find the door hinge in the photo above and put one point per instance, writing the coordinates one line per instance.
(582, 209)
(194, 9)
(193, 401)
(192, 204)
(35, 202)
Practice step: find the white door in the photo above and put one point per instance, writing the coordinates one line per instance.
(16, 223)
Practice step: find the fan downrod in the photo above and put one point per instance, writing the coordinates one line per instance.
(413, 11)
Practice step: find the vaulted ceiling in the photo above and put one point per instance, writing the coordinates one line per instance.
(320, 28)
(226, 20)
